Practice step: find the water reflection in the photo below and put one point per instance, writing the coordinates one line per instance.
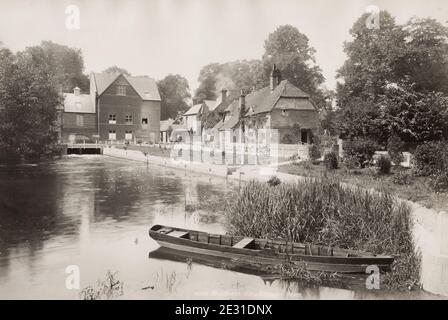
(95, 211)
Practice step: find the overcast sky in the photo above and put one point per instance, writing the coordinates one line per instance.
(159, 37)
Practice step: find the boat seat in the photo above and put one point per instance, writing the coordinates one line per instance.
(165, 230)
(179, 234)
(244, 243)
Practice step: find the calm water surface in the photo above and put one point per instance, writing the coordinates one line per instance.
(94, 212)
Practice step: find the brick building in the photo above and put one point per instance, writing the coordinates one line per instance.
(118, 109)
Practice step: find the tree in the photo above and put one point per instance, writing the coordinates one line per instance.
(234, 75)
(395, 81)
(207, 83)
(174, 91)
(65, 63)
(372, 60)
(425, 60)
(289, 49)
(413, 116)
(116, 70)
(28, 103)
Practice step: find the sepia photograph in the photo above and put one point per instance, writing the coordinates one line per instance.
(217, 150)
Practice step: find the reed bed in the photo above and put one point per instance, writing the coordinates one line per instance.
(322, 211)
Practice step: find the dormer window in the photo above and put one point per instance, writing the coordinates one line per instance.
(121, 90)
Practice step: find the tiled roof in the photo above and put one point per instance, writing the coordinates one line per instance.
(78, 103)
(264, 100)
(146, 87)
(284, 96)
(193, 110)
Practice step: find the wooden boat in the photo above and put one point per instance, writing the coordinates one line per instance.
(268, 252)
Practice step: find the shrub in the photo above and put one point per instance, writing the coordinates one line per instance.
(383, 165)
(402, 178)
(331, 160)
(361, 150)
(314, 152)
(431, 158)
(439, 181)
(395, 149)
(273, 181)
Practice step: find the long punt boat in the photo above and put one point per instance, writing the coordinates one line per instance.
(268, 252)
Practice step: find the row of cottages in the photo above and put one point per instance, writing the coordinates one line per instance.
(280, 106)
(118, 109)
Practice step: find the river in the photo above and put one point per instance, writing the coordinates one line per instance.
(93, 212)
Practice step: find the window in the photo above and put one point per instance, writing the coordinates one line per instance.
(112, 119)
(128, 135)
(144, 120)
(112, 135)
(129, 119)
(79, 120)
(121, 90)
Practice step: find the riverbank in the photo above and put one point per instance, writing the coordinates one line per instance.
(428, 225)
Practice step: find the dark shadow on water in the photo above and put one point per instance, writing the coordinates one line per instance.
(346, 282)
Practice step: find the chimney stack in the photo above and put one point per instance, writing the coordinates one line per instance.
(77, 91)
(275, 77)
(223, 95)
(242, 103)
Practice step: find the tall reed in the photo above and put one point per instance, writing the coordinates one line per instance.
(322, 211)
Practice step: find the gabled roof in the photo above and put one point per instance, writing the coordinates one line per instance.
(146, 87)
(193, 110)
(264, 99)
(197, 108)
(78, 103)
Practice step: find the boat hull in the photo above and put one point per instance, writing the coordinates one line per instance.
(260, 258)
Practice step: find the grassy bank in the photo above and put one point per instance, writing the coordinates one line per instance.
(323, 212)
(416, 189)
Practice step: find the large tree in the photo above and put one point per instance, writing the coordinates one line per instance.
(116, 69)
(28, 101)
(394, 80)
(290, 50)
(65, 63)
(175, 92)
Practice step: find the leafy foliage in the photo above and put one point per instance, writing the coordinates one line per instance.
(117, 70)
(28, 103)
(331, 160)
(403, 178)
(274, 181)
(361, 150)
(395, 81)
(175, 92)
(395, 148)
(314, 152)
(384, 165)
(431, 158)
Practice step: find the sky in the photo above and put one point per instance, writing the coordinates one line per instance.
(161, 37)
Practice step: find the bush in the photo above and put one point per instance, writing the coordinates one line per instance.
(383, 165)
(274, 181)
(331, 160)
(314, 152)
(439, 181)
(430, 158)
(395, 149)
(403, 178)
(361, 150)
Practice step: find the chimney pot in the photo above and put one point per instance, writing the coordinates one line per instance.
(223, 95)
